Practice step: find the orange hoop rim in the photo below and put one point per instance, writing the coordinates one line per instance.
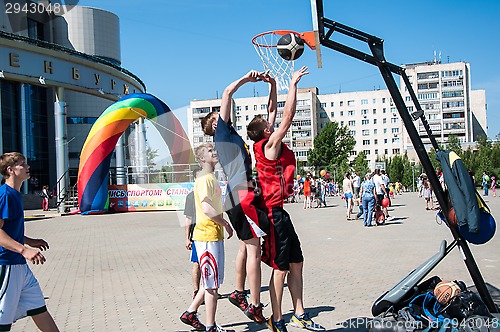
(307, 36)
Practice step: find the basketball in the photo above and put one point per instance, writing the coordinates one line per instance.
(445, 291)
(385, 202)
(322, 173)
(290, 46)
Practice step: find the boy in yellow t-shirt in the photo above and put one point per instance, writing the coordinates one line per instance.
(208, 238)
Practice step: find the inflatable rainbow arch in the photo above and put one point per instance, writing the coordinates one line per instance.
(95, 158)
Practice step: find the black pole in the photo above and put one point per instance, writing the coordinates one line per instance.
(387, 69)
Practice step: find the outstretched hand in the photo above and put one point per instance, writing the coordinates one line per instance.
(298, 75)
(266, 77)
(253, 76)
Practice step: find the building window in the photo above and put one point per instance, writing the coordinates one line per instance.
(375, 131)
(384, 120)
(247, 117)
(350, 113)
(341, 113)
(376, 151)
(366, 142)
(428, 75)
(364, 112)
(341, 123)
(452, 94)
(385, 140)
(375, 141)
(366, 152)
(322, 105)
(364, 101)
(239, 127)
(383, 100)
(384, 110)
(323, 115)
(385, 132)
(352, 123)
(331, 104)
(332, 114)
(350, 103)
(374, 111)
(365, 132)
(246, 107)
(374, 121)
(394, 120)
(341, 103)
(365, 122)
(352, 133)
(395, 151)
(395, 130)
(263, 107)
(450, 73)
(254, 107)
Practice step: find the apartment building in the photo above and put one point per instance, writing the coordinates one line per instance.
(450, 105)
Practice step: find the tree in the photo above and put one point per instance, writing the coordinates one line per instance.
(332, 146)
(454, 145)
(151, 156)
(361, 164)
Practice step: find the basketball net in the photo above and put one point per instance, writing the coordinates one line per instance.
(279, 68)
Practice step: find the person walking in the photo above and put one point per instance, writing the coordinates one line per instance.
(307, 192)
(348, 194)
(45, 198)
(494, 186)
(368, 194)
(486, 178)
(275, 164)
(21, 295)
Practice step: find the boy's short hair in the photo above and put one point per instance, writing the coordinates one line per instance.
(256, 127)
(10, 159)
(198, 152)
(207, 123)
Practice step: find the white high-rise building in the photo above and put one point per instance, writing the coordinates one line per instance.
(451, 107)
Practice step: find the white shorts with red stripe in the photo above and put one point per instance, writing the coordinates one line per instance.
(211, 260)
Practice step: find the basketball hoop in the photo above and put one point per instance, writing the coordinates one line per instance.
(282, 70)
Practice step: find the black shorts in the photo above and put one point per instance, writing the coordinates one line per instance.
(281, 246)
(248, 217)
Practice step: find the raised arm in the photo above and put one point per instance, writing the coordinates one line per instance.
(227, 95)
(272, 104)
(272, 149)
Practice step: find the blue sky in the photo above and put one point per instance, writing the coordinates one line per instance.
(185, 50)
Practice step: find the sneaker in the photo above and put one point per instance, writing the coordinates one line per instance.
(239, 299)
(216, 328)
(276, 326)
(305, 322)
(255, 313)
(191, 319)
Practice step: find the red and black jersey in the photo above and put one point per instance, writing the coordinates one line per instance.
(275, 176)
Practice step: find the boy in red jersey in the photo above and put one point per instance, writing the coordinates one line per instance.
(281, 248)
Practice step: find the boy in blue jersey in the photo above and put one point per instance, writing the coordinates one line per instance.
(21, 294)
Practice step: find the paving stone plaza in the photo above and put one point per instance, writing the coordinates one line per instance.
(131, 272)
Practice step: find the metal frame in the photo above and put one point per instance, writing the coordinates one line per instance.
(326, 28)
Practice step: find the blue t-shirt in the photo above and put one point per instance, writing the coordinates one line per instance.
(233, 153)
(12, 213)
(368, 186)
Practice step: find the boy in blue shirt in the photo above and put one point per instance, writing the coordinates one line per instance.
(22, 295)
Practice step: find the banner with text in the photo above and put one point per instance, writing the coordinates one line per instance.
(151, 197)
